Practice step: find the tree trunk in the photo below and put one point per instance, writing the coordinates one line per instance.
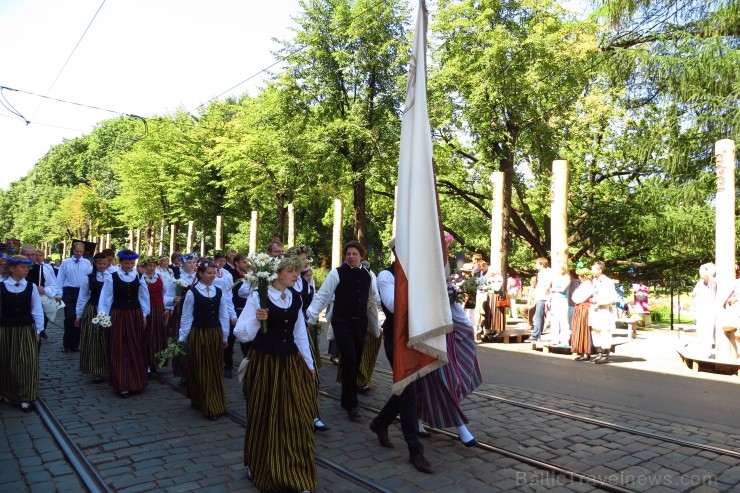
(359, 202)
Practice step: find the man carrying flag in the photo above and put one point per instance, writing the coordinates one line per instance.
(422, 310)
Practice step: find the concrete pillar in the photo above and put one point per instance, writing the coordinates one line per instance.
(725, 240)
(191, 233)
(291, 225)
(219, 232)
(253, 230)
(138, 241)
(173, 234)
(203, 244)
(131, 244)
(107, 240)
(559, 214)
(336, 244)
(497, 223)
(161, 239)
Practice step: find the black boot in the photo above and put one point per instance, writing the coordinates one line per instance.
(601, 354)
(603, 358)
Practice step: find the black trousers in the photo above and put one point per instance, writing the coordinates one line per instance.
(71, 339)
(404, 404)
(350, 337)
(229, 351)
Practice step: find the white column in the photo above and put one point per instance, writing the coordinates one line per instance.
(291, 225)
(336, 245)
(559, 214)
(191, 234)
(219, 232)
(253, 230)
(497, 222)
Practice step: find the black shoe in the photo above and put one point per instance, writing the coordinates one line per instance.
(212, 417)
(471, 443)
(26, 407)
(124, 394)
(603, 359)
(65, 350)
(75, 350)
(423, 434)
(97, 380)
(421, 464)
(227, 374)
(353, 413)
(44, 335)
(382, 432)
(364, 389)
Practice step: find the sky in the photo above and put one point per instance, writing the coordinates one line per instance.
(143, 57)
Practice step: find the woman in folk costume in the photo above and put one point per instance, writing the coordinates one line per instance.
(125, 298)
(441, 392)
(161, 296)
(495, 306)
(21, 323)
(93, 338)
(580, 338)
(186, 280)
(306, 289)
(704, 301)
(204, 328)
(602, 315)
(278, 446)
(238, 271)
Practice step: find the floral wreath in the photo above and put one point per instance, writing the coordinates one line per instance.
(13, 260)
(122, 255)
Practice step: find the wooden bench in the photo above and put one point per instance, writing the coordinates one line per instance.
(697, 362)
(547, 348)
(513, 334)
(631, 325)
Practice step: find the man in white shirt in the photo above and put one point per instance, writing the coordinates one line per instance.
(541, 295)
(42, 275)
(70, 277)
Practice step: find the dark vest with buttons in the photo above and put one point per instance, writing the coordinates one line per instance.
(125, 294)
(388, 322)
(350, 297)
(96, 287)
(280, 324)
(36, 275)
(15, 308)
(306, 296)
(205, 309)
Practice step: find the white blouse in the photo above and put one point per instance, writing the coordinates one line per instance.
(247, 326)
(37, 313)
(186, 322)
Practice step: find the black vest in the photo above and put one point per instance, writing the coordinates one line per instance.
(280, 324)
(125, 294)
(205, 309)
(238, 301)
(96, 287)
(306, 296)
(15, 308)
(350, 297)
(388, 322)
(36, 275)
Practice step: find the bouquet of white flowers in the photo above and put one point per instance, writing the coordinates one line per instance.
(262, 271)
(173, 350)
(180, 286)
(102, 320)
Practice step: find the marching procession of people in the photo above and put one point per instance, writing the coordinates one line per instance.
(127, 317)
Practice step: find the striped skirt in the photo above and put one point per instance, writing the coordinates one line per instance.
(313, 338)
(580, 337)
(495, 316)
(93, 345)
(126, 345)
(157, 335)
(179, 364)
(19, 363)
(278, 446)
(205, 368)
(441, 392)
(367, 361)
